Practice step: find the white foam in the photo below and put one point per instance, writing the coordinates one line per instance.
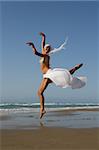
(31, 110)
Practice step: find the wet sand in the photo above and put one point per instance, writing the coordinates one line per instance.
(62, 130)
(50, 139)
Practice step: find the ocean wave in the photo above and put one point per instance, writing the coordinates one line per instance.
(34, 107)
(49, 105)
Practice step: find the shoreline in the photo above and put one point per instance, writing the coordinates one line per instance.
(84, 118)
(79, 109)
(7, 111)
(58, 130)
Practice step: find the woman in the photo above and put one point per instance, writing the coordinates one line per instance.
(60, 77)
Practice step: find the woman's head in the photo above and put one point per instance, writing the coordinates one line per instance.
(47, 48)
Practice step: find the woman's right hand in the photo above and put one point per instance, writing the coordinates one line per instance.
(30, 44)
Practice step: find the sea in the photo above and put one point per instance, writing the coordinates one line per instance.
(53, 106)
(23, 115)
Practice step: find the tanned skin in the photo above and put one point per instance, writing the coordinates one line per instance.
(45, 66)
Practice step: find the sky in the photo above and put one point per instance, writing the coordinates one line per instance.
(20, 22)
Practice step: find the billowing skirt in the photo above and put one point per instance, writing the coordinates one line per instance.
(63, 78)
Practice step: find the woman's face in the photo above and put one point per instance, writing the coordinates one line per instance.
(47, 49)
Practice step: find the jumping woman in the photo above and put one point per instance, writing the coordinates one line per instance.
(61, 77)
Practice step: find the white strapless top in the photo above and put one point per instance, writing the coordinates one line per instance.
(41, 60)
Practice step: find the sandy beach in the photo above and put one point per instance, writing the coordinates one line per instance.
(49, 61)
(62, 130)
(50, 139)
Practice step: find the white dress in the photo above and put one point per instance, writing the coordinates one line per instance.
(63, 78)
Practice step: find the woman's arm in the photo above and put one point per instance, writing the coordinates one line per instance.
(34, 49)
(43, 40)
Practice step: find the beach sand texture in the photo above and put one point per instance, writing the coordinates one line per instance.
(50, 139)
(59, 135)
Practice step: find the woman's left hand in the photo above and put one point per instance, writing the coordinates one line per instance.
(42, 34)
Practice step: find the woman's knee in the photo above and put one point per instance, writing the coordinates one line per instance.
(42, 87)
(40, 92)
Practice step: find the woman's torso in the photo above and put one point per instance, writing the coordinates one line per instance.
(44, 64)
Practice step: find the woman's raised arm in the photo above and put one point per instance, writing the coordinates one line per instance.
(43, 40)
(34, 49)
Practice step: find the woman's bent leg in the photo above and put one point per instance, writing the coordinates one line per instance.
(75, 68)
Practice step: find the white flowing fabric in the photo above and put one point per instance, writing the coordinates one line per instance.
(61, 47)
(63, 78)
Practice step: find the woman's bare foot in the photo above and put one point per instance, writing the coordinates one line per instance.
(78, 66)
(42, 113)
(75, 68)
